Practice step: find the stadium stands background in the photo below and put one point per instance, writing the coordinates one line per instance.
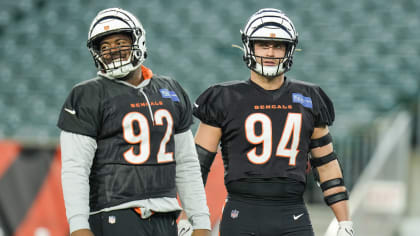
(365, 54)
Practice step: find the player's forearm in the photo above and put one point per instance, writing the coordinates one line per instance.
(189, 182)
(77, 153)
(341, 211)
(79, 222)
(200, 232)
(331, 172)
(76, 198)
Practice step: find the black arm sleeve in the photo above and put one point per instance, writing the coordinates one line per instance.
(206, 159)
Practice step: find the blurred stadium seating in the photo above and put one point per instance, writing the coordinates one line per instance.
(363, 53)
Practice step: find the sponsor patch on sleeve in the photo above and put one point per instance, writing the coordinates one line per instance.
(299, 98)
(169, 94)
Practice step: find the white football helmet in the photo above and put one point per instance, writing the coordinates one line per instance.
(112, 21)
(269, 24)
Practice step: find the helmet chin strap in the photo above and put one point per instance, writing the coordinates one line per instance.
(120, 72)
(118, 69)
(269, 71)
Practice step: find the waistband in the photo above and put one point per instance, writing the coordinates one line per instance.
(280, 190)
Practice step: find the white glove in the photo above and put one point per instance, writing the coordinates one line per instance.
(345, 228)
(184, 228)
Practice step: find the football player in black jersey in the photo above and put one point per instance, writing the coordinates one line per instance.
(267, 126)
(127, 148)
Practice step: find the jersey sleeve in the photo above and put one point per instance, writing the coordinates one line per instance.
(324, 113)
(80, 113)
(208, 107)
(186, 110)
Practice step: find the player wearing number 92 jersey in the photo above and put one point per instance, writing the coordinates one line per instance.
(137, 143)
(266, 134)
(126, 145)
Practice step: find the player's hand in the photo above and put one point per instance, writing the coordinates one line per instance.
(345, 228)
(82, 232)
(185, 228)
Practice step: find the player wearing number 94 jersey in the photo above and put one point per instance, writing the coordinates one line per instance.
(266, 127)
(127, 148)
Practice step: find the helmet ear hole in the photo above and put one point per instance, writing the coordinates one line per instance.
(137, 32)
(137, 54)
(244, 38)
(290, 63)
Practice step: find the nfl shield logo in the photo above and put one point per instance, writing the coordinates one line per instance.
(112, 219)
(234, 214)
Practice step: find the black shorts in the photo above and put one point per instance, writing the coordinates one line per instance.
(128, 223)
(243, 217)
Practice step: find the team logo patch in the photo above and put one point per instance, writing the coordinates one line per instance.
(234, 214)
(112, 219)
(299, 98)
(169, 94)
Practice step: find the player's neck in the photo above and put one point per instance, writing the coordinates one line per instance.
(267, 83)
(135, 77)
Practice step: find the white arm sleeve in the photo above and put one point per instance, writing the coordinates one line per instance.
(189, 182)
(77, 153)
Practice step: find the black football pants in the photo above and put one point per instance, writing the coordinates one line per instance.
(127, 222)
(264, 218)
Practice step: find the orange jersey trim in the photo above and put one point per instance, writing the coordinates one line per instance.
(137, 210)
(146, 72)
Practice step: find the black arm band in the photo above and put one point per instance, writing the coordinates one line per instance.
(337, 197)
(332, 183)
(319, 161)
(319, 142)
(206, 158)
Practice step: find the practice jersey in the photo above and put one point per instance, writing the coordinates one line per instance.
(265, 134)
(134, 129)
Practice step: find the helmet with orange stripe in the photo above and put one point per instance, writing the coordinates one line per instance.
(124, 58)
(269, 24)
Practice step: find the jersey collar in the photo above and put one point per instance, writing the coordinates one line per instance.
(146, 72)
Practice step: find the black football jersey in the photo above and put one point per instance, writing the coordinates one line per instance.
(265, 134)
(134, 129)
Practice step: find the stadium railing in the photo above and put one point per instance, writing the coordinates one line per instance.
(378, 199)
